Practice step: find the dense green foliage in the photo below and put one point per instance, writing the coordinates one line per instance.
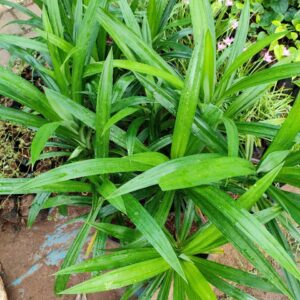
(275, 16)
(148, 111)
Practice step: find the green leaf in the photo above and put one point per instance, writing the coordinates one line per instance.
(237, 48)
(67, 106)
(108, 188)
(56, 41)
(246, 234)
(74, 251)
(241, 35)
(25, 93)
(20, 117)
(36, 206)
(266, 76)
(227, 288)
(293, 159)
(290, 175)
(197, 282)
(87, 35)
(289, 201)
(134, 66)
(67, 200)
(165, 288)
(246, 100)
(179, 288)
(147, 225)
(131, 134)
(256, 191)
(128, 40)
(137, 162)
(187, 106)
(155, 13)
(206, 238)
(152, 287)
(205, 172)
(232, 137)
(236, 275)
(202, 21)
(248, 54)
(144, 222)
(201, 129)
(209, 69)
(117, 259)
(121, 277)
(152, 176)
(120, 115)
(260, 129)
(23, 43)
(54, 16)
(55, 54)
(104, 99)
(272, 161)
(117, 231)
(18, 187)
(285, 137)
(58, 106)
(129, 17)
(40, 140)
(188, 220)
(289, 225)
(161, 215)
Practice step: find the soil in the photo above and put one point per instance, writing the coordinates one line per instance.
(30, 257)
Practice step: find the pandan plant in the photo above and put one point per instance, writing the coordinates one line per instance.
(149, 143)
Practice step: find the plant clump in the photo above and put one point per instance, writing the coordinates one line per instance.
(154, 109)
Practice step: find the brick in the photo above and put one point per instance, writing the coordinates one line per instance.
(10, 29)
(3, 8)
(34, 8)
(4, 57)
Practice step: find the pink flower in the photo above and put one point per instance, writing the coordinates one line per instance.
(228, 40)
(268, 57)
(234, 24)
(221, 46)
(229, 3)
(286, 52)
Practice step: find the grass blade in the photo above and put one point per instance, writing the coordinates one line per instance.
(232, 137)
(152, 176)
(266, 76)
(205, 172)
(36, 207)
(225, 215)
(104, 99)
(121, 277)
(197, 282)
(285, 137)
(40, 140)
(117, 259)
(187, 106)
(137, 162)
